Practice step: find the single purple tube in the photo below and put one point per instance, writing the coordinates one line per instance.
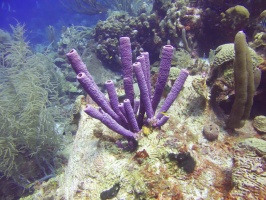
(136, 106)
(141, 59)
(76, 63)
(131, 116)
(126, 60)
(129, 90)
(96, 95)
(122, 108)
(110, 87)
(162, 121)
(126, 57)
(140, 118)
(179, 82)
(148, 71)
(144, 95)
(79, 66)
(165, 65)
(108, 121)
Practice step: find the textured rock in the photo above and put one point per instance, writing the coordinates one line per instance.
(200, 87)
(258, 145)
(259, 123)
(249, 171)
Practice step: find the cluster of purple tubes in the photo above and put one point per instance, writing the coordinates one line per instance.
(127, 118)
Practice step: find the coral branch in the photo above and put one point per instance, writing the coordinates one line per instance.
(179, 82)
(144, 95)
(131, 116)
(165, 65)
(96, 94)
(126, 60)
(108, 121)
(110, 87)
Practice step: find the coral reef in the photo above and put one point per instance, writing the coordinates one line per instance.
(148, 31)
(181, 23)
(204, 151)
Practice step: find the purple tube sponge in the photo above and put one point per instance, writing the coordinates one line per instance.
(165, 65)
(179, 82)
(96, 95)
(108, 121)
(144, 94)
(121, 117)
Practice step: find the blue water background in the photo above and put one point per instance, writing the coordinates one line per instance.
(37, 15)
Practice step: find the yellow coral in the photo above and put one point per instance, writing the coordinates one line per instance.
(146, 130)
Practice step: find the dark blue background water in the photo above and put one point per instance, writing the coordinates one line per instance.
(37, 15)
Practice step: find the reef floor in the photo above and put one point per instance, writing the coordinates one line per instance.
(230, 167)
